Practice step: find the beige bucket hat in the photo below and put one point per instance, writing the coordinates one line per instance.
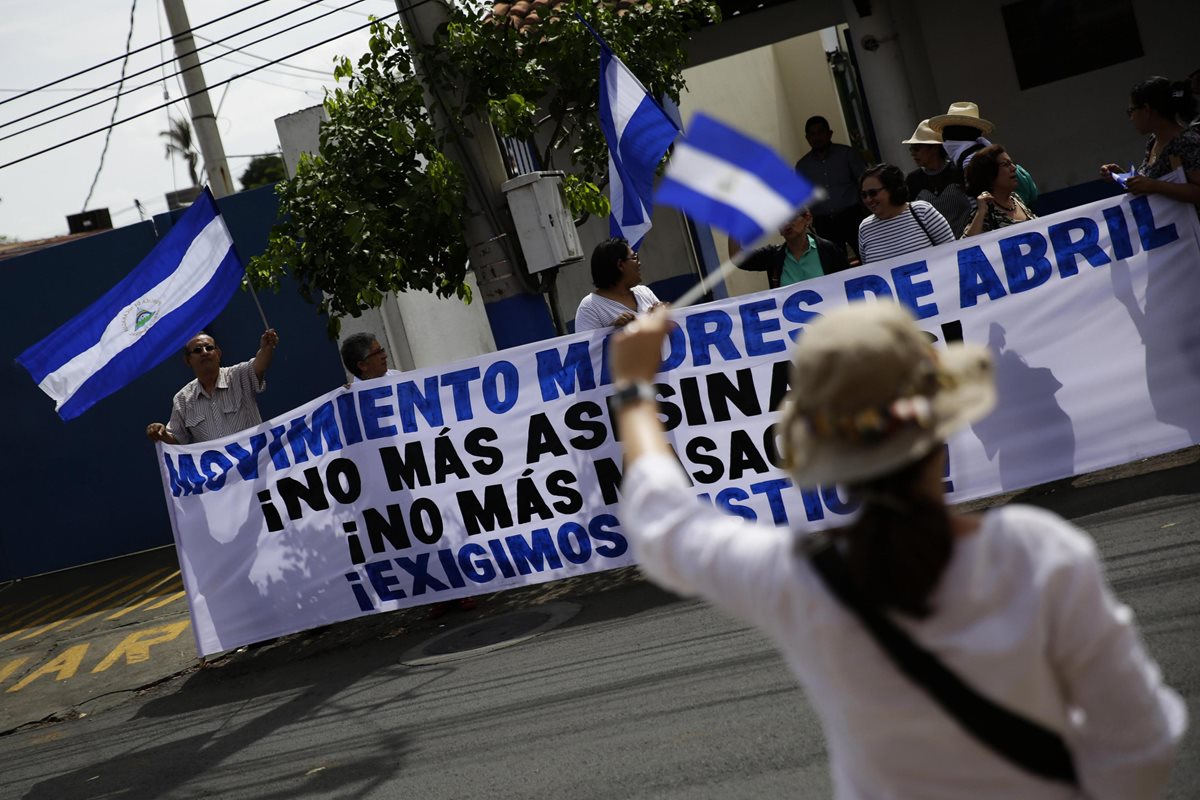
(961, 114)
(871, 394)
(924, 135)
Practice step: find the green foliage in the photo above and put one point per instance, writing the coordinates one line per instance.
(263, 170)
(543, 84)
(381, 209)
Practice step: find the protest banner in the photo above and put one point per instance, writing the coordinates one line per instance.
(504, 470)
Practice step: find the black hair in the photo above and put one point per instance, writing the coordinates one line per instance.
(186, 351)
(892, 178)
(901, 542)
(606, 262)
(983, 168)
(1171, 99)
(961, 133)
(817, 120)
(356, 348)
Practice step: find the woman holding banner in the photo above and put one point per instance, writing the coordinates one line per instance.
(1162, 109)
(948, 655)
(620, 295)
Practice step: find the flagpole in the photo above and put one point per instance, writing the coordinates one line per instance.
(713, 278)
(254, 296)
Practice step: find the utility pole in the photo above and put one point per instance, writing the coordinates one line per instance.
(204, 122)
(516, 308)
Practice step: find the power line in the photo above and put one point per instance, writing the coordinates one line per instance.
(212, 86)
(116, 105)
(156, 66)
(139, 50)
(245, 52)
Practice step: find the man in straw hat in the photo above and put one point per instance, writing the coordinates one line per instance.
(936, 180)
(964, 133)
(1012, 603)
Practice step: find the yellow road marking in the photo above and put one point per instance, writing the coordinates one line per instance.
(148, 598)
(99, 601)
(171, 598)
(8, 669)
(63, 667)
(136, 646)
(40, 614)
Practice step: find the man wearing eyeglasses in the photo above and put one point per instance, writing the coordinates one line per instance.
(221, 400)
(365, 358)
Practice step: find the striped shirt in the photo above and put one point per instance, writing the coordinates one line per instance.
(197, 416)
(884, 238)
(600, 312)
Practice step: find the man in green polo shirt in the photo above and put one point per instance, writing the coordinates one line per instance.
(802, 255)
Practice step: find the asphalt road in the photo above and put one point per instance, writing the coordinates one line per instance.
(637, 695)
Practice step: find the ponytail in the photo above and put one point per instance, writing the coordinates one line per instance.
(901, 542)
(1171, 99)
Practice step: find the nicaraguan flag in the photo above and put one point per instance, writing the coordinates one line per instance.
(178, 288)
(638, 133)
(724, 178)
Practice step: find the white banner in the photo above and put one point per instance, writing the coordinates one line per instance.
(503, 470)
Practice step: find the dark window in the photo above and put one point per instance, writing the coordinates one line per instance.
(1055, 39)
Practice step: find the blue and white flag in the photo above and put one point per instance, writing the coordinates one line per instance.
(178, 288)
(638, 133)
(724, 178)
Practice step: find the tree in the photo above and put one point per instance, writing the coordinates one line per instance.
(179, 143)
(263, 170)
(381, 208)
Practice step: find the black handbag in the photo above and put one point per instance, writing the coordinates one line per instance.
(1021, 741)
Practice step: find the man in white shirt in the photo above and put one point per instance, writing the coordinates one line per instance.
(364, 358)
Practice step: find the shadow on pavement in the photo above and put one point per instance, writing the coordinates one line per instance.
(1093, 499)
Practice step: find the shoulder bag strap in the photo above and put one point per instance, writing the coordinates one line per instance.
(1019, 740)
(924, 230)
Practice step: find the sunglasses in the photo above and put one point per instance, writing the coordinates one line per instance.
(634, 257)
(869, 193)
(202, 348)
(374, 353)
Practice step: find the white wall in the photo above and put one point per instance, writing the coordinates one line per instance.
(419, 329)
(1060, 131)
(768, 93)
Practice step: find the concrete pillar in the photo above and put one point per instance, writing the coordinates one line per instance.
(518, 312)
(881, 65)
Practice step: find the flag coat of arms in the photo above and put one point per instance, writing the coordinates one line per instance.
(721, 177)
(175, 291)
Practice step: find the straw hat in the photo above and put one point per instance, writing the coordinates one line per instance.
(961, 114)
(870, 394)
(924, 135)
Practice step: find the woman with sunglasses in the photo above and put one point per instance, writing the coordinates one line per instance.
(619, 295)
(1161, 108)
(896, 226)
(992, 180)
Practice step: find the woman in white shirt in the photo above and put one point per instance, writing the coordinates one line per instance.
(1012, 601)
(896, 226)
(619, 295)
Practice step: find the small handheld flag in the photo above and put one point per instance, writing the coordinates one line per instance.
(724, 178)
(178, 288)
(638, 132)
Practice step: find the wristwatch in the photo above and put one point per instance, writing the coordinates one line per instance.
(632, 392)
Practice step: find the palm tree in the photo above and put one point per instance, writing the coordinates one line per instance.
(179, 142)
